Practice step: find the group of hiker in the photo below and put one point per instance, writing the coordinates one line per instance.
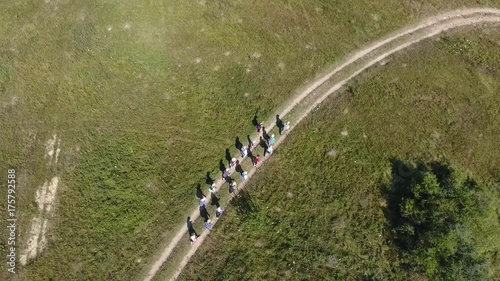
(266, 141)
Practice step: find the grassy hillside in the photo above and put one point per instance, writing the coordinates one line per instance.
(144, 98)
(320, 204)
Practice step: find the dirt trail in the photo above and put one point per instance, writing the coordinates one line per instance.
(427, 28)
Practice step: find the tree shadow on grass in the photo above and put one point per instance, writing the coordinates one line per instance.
(399, 187)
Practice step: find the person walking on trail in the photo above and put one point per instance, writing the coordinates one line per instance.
(203, 202)
(272, 140)
(193, 238)
(192, 233)
(243, 151)
(212, 189)
(204, 213)
(255, 160)
(232, 186)
(226, 173)
(244, 176)
(208, 224)
(233, 162)
(269, 151)
(287, 126)
(259, 127)
(218, 211)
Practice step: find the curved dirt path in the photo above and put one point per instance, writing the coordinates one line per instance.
(424, 29)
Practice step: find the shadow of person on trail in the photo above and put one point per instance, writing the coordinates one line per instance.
(250, 143)
(190, 227)
(209, 180)
(228, 156)
(250, 154)
(222, 167)
(204, 213)
(214, 200)
(263, 143)
(238, 167)
(255, 120)
(279, 124)
(199, 192)
(265, 135)
(238, 144)
(228, 179)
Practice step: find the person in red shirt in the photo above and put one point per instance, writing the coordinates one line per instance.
(256, 160)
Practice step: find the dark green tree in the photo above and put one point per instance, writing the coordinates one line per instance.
(431, 209)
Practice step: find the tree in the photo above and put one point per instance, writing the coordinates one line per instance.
(431, 208)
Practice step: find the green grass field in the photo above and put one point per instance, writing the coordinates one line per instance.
(318, 203)
(144, 98)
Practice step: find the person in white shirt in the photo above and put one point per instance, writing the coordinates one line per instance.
(243, 151)
(244, 175)
(203, 202)
(218, 211)
(269, 150)
(192, 238)
(287, 126)
(233, 162)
